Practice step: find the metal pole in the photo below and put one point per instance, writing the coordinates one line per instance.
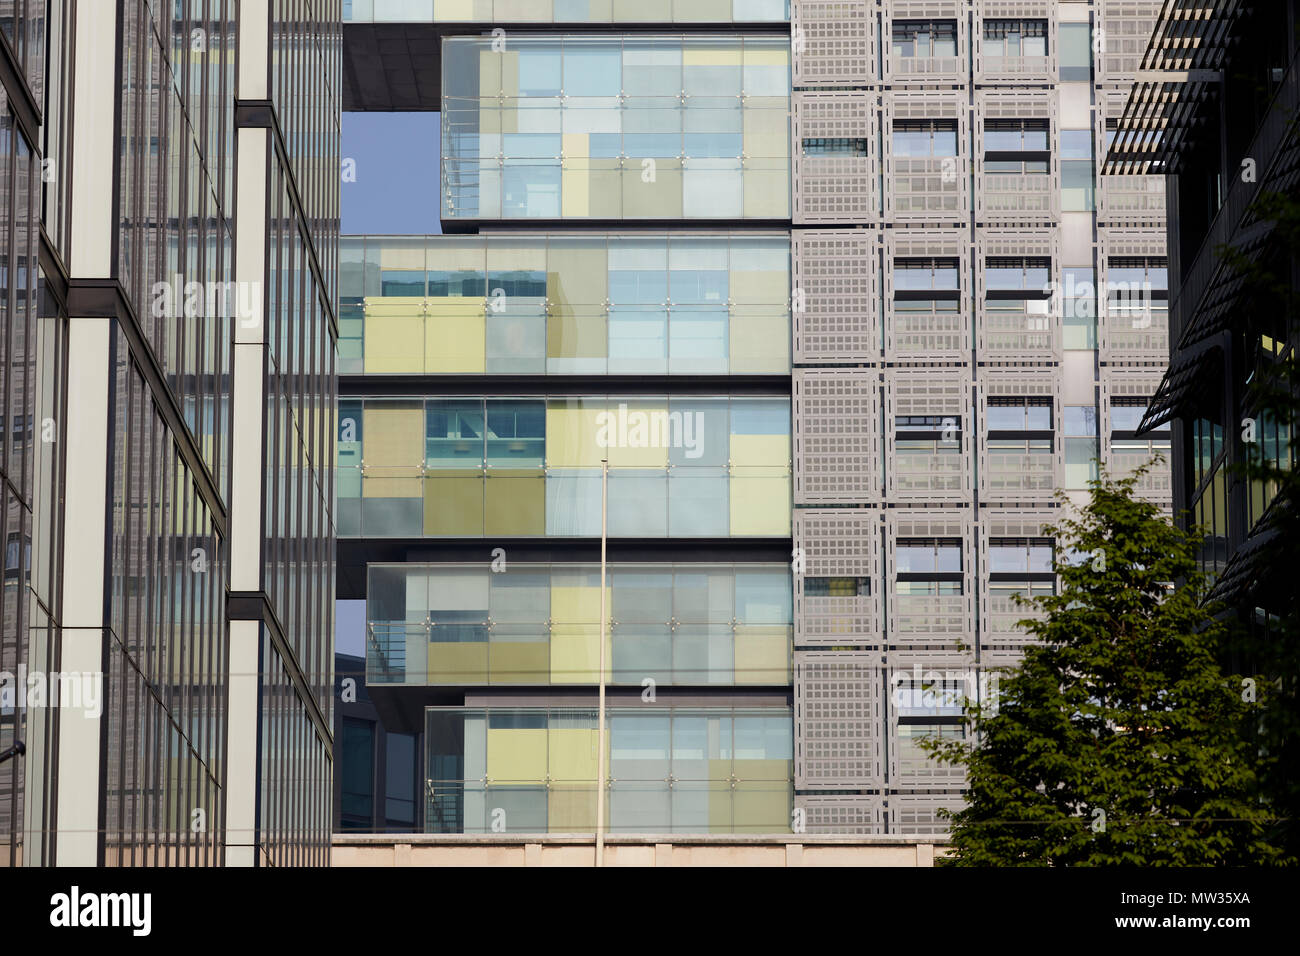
(600, 719)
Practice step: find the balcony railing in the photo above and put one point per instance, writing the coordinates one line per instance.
(1003, 615)
(925, 615)
(1011, 473)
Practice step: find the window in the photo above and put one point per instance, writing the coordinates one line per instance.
(1015, 38)
(1127, 417)
(928, 434)
(1018, 415)
(928, 274)
(836, 587)
(400, 789)
(1016, 273)
(1020, 556)
(834, 147)
(1015, 146)
(1079, 303)
(934, 698)
(1076, 52)
(925, 138)
(1078, 186)
(1137, 289)
(1080, 445)
(924, 38)
(927, 556)
(356, 770)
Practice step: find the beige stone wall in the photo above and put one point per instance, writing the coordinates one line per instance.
(423, 850)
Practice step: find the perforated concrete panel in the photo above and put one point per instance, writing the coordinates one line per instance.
(998, 614)
(827, 813)
(1125, 27)
(1133, 383)
(1020, 474)
(1139, 333)
(1017, 197)
(926, 189)
(834, 42)
(836, 299)
(836, 415)
(1125, 200)
(1029, 333)
(991, 67)
(835, 188)
(841, 544)
(837, 720)
(937, 672)
(940, 471)
(925, 70)
(914, 814)
(930, 620)
(933, 334)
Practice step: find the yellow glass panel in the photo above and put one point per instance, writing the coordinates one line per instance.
(762, 654)
(760, 342)
(720, 796)
(760, 287)
(760, 506)
(577, 274)
(458, 663)
(453, 9)
(571, 809)
(516, 505)
(573, 754)
(766, 56)
(455, 335)
(653, 193)
(699, 55)
(516, 754)
(578, 334)
(636, 434)
(767, 133)
(763, 451)
(702, 11)
(465, 254)
(603, 190)
(394, 334)
(767, 190)
(512, 255)
(519, 661)
(453, 503)
(761, 806)
(643, 11)
(404, 256)
(578, 604)
(574, 177)
(394, 451)
(575, 653)
(571, 436)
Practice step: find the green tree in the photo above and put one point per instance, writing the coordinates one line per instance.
(1118, 740)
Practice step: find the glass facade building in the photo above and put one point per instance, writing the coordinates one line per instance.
(680, 467)
(539, 624)
(487, 374)
(905, 191)
(566, 304)
(170, 568)
(675, 770)
(616, 127)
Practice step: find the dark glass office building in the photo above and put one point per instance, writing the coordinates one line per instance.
(169, 336)
(1216, 116)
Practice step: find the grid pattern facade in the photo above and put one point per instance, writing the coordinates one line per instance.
(118, 373)
(28, 614)
(957, 351)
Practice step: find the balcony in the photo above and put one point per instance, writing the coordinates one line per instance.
(1019, 474)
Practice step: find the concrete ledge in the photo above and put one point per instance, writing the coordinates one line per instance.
(575, 849)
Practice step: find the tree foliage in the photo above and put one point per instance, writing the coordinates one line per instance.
(1118, 740)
